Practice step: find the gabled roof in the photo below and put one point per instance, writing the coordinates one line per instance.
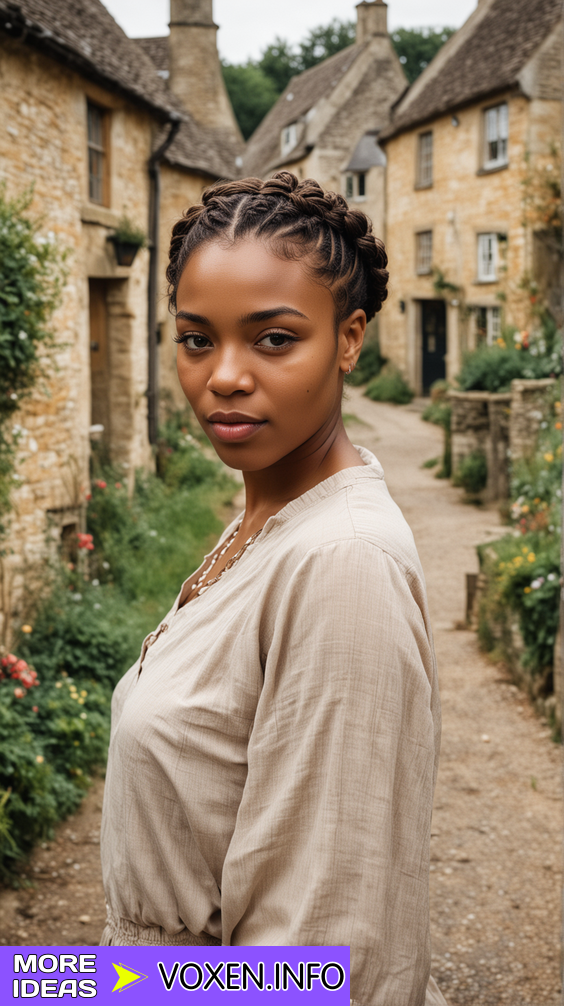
(301, 95)
(210, 150)
(484, 57)
(82, 35)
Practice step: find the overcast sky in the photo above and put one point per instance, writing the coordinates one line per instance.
(247, 26)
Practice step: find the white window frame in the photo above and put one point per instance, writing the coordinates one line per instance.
(425, 154)
(352, 186)
(493, 324)
(288, 138)
(488, 257)
(496, 136)
(424, 253)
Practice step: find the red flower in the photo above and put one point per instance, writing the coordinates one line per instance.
(19, 693)
(101, 484)
(119, 485)
(89, 496)
(35, 709)
(85, 541)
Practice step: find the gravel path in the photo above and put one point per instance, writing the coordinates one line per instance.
(496, 846)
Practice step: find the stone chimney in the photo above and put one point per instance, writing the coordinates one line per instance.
(372, 19)
(195, 69)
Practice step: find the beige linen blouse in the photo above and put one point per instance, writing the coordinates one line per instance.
(274, 751)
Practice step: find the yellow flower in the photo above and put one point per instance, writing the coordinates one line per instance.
(531, 557)
(80, 701)
(39, 758)
(558, 406)
(527, 590)
(27, 629)
(549, 457)
(84, 694)
(558, 426)
(500, 343)
(518, 560)
(537, 501)
(76, 743)
(524, 550)
(59, 684)
(518, 345)
(525, 509)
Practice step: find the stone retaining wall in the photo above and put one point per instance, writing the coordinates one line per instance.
(500, 426)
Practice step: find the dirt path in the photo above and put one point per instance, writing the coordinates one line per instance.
(496, 860)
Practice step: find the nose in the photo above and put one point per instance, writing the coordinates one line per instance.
(231, 373)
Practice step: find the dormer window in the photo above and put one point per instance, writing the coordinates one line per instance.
(289, 138)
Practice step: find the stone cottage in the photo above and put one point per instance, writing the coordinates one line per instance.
(327, 122)
(89, 121)
(483, 116)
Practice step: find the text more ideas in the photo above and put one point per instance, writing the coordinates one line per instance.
(54, 988)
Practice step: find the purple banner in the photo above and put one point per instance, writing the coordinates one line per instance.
(171, 974)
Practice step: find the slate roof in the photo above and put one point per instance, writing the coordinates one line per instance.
(83, 35)
(477, 61)
(302, 94)
(367, 153)
(157, 50)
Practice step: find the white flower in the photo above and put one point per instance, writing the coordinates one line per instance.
(22, 335)
(551, 577)
(13, 396)
(97, 606)
(95, 583)
(105, 565)
(76, 597)
(153, 534)
(84, 716)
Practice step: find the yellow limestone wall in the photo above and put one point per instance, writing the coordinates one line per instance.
(43, 143)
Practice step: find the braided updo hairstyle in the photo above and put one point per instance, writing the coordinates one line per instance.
(298, 219)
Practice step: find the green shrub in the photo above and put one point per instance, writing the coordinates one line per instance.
(515, 355)
(369, 365)
(51, 735)
(389, 386)
(524, 576)
(439, 412)
(472, 473)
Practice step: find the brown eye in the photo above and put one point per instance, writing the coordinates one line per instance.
(194, 341)
(278, 340)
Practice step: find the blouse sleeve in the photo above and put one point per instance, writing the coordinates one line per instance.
(331, 845)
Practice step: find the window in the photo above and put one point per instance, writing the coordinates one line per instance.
(98, 162)
(289, 138)
(487, 258)
(424, 252)
(488, 324)
(496, 125)
(355, 185)
(425, 161)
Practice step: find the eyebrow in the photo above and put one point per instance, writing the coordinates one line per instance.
(247, 319)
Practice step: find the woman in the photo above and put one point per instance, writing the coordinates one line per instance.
(274, 750)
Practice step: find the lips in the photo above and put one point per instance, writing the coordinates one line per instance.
(234, 426)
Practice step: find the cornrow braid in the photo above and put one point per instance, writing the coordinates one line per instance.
(299, 219)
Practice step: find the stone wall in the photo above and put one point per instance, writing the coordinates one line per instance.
(500, 426)
(44, 144)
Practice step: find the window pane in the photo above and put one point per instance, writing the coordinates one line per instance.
(487, 256)
(425, 168)
(496, 135)
(96, 176)
(362, 184)
(349, 187)
(95, 131)
(424, 252)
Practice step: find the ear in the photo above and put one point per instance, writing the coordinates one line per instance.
(351, 337)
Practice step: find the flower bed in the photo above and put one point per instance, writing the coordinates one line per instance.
(519, 605)
(98, 602)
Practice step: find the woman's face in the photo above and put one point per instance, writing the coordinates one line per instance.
(257, 356)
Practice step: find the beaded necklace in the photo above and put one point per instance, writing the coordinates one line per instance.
(231, 562)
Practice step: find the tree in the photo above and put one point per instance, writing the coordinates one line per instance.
(254, 86)
(416, 47)
(252, 94)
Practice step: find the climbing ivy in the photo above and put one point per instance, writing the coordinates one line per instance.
(32, 273)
